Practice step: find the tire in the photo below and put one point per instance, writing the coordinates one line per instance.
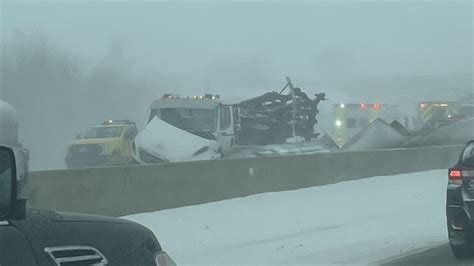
(463, 251)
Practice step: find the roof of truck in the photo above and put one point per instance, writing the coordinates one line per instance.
(184, 103)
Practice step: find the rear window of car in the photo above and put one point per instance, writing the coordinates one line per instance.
(468, 154)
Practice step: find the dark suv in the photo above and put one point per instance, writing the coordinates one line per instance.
(460, 204)
(40, 237)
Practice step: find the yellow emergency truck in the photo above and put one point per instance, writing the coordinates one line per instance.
(107, 144)
(435, 113)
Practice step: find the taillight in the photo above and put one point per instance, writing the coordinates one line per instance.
(455, 176)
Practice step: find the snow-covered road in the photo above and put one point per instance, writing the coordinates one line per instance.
(359, 221)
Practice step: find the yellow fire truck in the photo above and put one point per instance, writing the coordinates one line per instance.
(434, 113)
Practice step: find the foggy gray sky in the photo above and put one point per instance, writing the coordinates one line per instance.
(228, 46)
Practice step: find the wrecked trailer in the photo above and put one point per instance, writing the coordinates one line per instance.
(378, 135)
(454, 133)
(201, 127)
(274, 118)
(381, 135)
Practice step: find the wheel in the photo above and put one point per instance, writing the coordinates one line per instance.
(463, 251)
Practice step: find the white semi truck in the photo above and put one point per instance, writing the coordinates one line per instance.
(186, 129)
(201, 127)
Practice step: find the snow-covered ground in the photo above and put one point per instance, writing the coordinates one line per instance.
(359, 222)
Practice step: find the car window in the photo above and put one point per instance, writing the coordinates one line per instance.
(130, 133)
(351, 123)
(468, 154)
(225, 119)
(103, 132)
(5, 180)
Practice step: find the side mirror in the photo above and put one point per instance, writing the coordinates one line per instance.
(7, 182)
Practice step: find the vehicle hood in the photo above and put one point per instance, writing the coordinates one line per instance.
(95, 141)
(172, 144)
(121, 242)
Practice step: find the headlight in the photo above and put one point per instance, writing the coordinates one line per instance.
(146, 157)
(162, 259)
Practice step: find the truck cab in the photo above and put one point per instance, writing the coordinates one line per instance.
(436, 113)
(203, 116)
(107, 144)
(186, 128)
(41, 237)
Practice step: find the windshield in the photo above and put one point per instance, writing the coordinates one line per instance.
(5, 180)
(103, 132)
(192, 120)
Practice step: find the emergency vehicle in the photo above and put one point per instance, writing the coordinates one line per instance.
(107, 144)
(435, 113)
(351, 118)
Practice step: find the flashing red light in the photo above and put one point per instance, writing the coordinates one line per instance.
(422, 105)
(377, 105)
(454, 174)
(363, 106)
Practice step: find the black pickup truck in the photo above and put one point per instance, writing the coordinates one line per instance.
(40, 237)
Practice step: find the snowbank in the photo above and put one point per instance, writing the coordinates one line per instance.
(351, 222)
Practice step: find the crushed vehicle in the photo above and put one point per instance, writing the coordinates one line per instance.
(378, 135)
(107, 144)
(43, 237)
(459, 204)
(202, 127)
(436, 123)
(276, 118)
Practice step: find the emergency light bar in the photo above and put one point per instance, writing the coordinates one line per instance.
(373, 105)
(424, 105)
(360, 105)
(196, 97)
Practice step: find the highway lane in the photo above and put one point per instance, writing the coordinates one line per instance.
(439, 255)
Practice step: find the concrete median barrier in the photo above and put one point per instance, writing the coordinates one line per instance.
(122, 190)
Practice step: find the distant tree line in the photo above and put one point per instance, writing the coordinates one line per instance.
(56, 96)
